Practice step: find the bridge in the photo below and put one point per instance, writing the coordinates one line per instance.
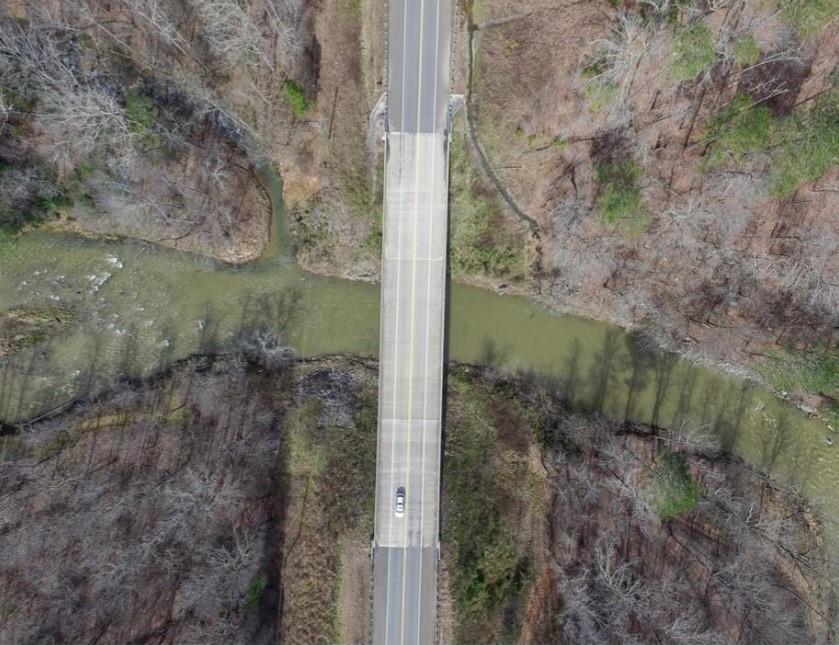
(412, 322)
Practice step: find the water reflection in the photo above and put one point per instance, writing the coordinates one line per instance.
(154, 306)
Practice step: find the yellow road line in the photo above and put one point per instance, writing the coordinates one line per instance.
(413, 319)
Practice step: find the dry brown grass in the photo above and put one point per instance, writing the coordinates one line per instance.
(601, 566)
(326, 565)
(718, 251)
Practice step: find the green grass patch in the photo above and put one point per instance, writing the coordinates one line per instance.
(809, 16)
(374, 240)
(484, 241)
(673, 491)
(694, 52)
(8, 242)
(331, 465)
(738, 130)
(351, 8)
(802, 146)
(814, 371)
(349, 477)
(56, 444)
(295, 96)
(364, 197)
(620, 198)
(601, 93)
(807, 145)
(830, 414)
(746, 50)
(141, 113)
(307, 456)
(142, 116)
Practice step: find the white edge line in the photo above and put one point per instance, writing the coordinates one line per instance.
(429, 274)
(396, 317)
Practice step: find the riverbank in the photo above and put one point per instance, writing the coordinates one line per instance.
(137, 308)
(244, 474)
(525, 191)
(652, 208)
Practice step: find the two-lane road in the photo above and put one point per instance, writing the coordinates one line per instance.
(412, 322)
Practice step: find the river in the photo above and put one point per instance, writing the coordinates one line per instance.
(138, 307)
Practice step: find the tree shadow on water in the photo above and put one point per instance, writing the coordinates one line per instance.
(602, 375)
(276, 311)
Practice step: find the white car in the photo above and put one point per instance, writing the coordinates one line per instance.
(400, 502)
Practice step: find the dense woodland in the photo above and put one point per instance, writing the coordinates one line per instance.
(219, 503)
(672, 167)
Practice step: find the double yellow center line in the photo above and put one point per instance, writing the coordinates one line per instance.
(412, 335)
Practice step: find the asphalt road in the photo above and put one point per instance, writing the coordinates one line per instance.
(419, 64)
(412, 322)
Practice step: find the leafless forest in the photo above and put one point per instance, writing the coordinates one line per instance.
(219, 504)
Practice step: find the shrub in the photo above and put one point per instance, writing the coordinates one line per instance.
(738, 130)
(803, 145)
(601, 93)
(253, 596)
(746, 50)
(29, 193)
(620, 191)
(140, 113)
(488, 580)
(488, 573)
(296, 97)
(666, 10)
(674, 492)
(484, 242)
(694, 52)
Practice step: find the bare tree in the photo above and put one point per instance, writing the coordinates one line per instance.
(232, 36)
(78, 116)
(262, 346)
(5, 110)
(617, 60)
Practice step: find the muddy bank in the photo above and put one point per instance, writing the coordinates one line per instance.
(653, 206)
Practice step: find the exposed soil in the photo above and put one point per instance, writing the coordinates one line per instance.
(219, 105)
(712, 263)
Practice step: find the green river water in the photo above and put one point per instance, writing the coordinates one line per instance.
(138, 307)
